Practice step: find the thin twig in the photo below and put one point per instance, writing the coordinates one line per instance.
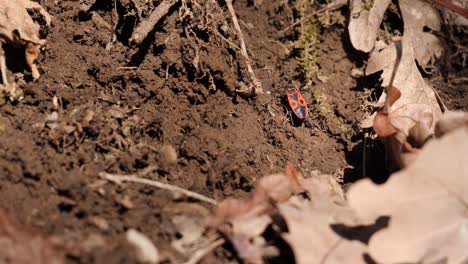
(136, 177)
(199, 254)
(145, 27)
(255, 81)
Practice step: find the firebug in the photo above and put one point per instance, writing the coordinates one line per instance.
(297, 103)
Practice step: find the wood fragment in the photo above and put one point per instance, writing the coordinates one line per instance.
(145, 27)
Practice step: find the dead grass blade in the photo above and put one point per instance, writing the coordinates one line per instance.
(116, 178)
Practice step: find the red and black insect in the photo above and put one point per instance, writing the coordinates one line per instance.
(297, 103)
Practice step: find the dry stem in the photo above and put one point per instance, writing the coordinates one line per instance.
(145, 27)
(257, 85)
(137, 179)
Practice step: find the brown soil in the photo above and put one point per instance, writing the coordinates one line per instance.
(116, 119)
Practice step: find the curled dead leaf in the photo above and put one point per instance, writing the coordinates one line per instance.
(18, 28)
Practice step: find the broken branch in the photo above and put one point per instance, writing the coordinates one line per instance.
(145, 27)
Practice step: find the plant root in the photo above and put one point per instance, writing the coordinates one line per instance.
(257, 89)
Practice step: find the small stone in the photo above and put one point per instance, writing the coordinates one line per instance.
(146, 252)
(99, 222)
(126, 202)
(167, 155)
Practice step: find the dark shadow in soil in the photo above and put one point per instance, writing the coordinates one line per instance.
(367, 160)
(16, 60)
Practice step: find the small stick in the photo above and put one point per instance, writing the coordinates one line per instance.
(256, 82)
(137, 179)
(392, 93)
(145, 27)
(199, 254)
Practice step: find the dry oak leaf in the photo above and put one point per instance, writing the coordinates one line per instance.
(309, 222)
(427, 204)
(417, 105)
(242, 221)
(418, 15)
(417, 102)
(18, 28)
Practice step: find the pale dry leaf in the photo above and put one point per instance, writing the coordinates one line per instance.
(417, 100)
(427, 203)
(16, 25)
(419, 16)
(191, 231)
(18, 28)
(243, 220)
(308, 219)
(309, 222)
(323, 187)
(364, 23)
(417, 104)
